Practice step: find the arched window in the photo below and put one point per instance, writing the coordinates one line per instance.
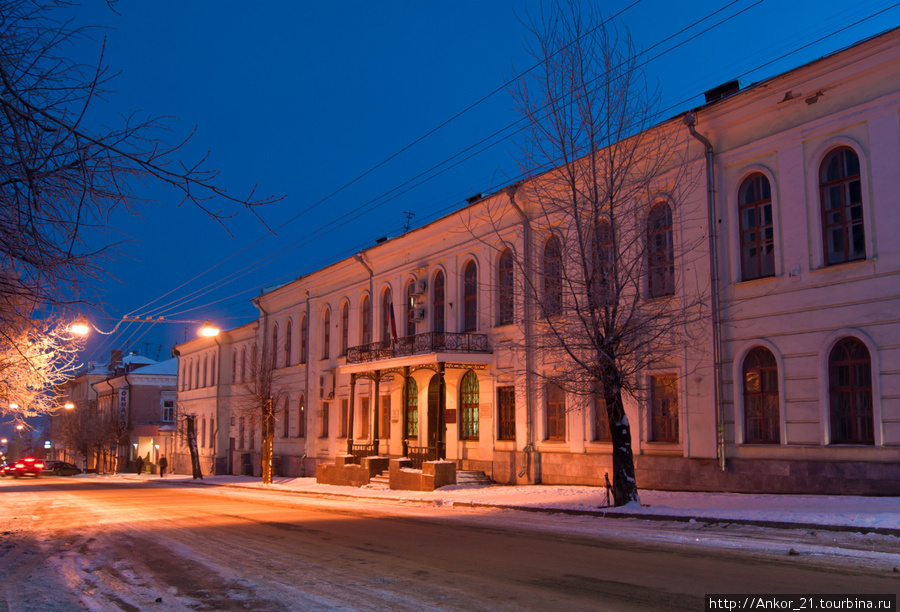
(603, 260)
(212, 370)
(438, 302)
(850, 393)
(761, 413)
(661, 248)
(185, 369)
(468, 405)
(301, 417)
(286, 415)
(505, 295)
(664, 408)
(345, 328)
(304, 339)
(274, 348)
(366, 314)
(202, 436)
(196, 378)
(244, 364)
(842, 207)
(387, 321)
(204, 370)
(410, 305)
(553, 271)
(470, 297)
(556, 412)
(412, 408)
(234, 362)
(288, 333)
(254, 362)
(757, 231)
(326, 333)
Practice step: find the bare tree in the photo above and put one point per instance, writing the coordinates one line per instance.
(257, 402)
(603, 185)
(62, 175)
(80, 430)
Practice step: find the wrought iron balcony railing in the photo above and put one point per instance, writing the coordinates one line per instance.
(419, 344)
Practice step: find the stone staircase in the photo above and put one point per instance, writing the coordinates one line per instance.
(463, 477)
(472, 477)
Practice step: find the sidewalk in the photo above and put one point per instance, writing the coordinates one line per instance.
(827, 512)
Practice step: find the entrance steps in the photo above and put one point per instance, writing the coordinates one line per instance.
(472, 477)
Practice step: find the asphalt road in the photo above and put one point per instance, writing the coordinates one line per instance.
(72, 544)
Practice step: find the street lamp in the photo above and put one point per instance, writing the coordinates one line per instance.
(69, 406)
(209, 330)
(80, 327)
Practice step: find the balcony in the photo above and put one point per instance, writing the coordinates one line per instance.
(420, 344)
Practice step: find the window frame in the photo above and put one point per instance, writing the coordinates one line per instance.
(664, 422)
(505, 288)
(660, 250)
(469, 398)
(506, 413)
(552, 281)
(845, 185)
(758, 403)
(470, 297)
(761, 237)
(852, 392)
(555, 409)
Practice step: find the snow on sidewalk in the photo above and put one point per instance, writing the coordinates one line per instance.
(881, 513)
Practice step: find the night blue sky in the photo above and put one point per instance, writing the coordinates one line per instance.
(301, 98)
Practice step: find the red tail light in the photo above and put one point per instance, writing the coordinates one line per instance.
(20, 465)
(39, 465)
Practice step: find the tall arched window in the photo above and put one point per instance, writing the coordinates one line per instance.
(410, 304)
(286, 416)
(468, 406)
(603, 260)
(185, 376)
(505, 295)
(661, 248)
(345, 328)
(412, 408)
(553, 271)
(196, 378)
(204, 369)
(470, 297)
(301, 417)
(850, 393)
(366, 314)
(212, 370)
(244, 364)
(386, 320)
(304, 339)
(254, 362)
(274, 348)
(761, 413)
(326, 333)
(234, 364)
(757, 231)
(438, 302)
(842, 207)
(288, 337)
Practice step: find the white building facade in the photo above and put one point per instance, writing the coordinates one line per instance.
(417, 344)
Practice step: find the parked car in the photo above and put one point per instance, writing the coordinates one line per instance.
(7, 469)
(29, 466)
(60, 468)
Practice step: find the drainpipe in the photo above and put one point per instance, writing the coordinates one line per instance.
(215, 448)
(526, 307)
(690, 120)
(372, 401)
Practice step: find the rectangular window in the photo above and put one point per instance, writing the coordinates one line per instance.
(664, 408)
(202, 437)
(345, 417)
(301, 418)
(385, 417)
(242, 440)
(323, 431)
(168, 412)
(364, 418)
(506, 400)
(252, 434)
(212, 433)
(556, 413)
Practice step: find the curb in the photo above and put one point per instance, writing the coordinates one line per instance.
(611, 514)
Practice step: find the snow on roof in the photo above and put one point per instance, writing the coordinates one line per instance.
(165, 368)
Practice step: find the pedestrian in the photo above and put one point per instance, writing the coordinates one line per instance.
(163, 464)
(140, 465)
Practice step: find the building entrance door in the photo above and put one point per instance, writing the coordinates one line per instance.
(434, 408)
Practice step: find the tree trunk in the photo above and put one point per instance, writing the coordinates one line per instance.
(624, 484)
(192, 446)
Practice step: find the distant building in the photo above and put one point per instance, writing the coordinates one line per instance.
(411, 344)
(123, 409)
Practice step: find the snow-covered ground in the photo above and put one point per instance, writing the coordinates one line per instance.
(881, 513)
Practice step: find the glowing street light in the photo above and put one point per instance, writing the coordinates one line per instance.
(80, 327)
(69, 406)
(13, 406)
(209, 330)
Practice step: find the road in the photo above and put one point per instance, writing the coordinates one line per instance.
(74, 544)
